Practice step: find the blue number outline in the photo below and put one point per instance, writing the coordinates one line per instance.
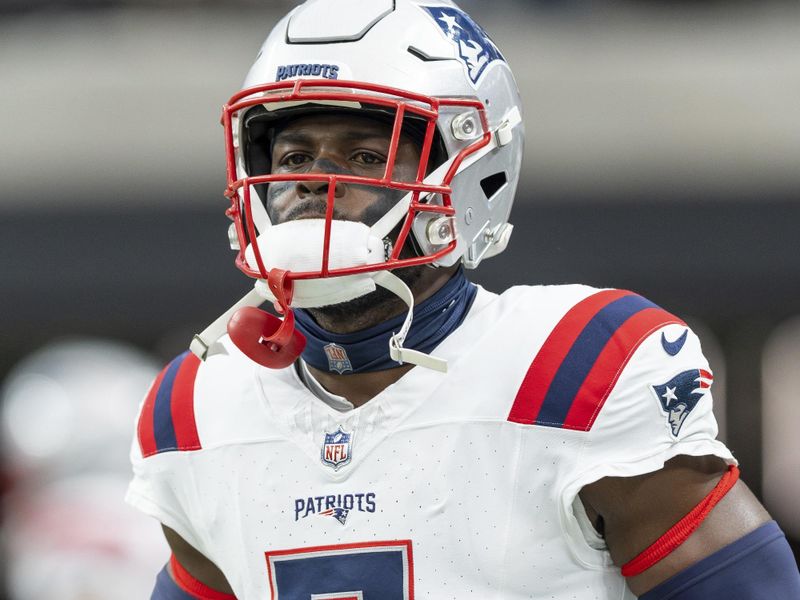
(275, 558)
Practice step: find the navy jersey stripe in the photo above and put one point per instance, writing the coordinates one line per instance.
(163, 427)
(582, 356)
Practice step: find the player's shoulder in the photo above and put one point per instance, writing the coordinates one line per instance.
(553, 295)
(583, 309)
(591, 339)
(558, 296)
(521, 305)
(194, 405)
(166, 420)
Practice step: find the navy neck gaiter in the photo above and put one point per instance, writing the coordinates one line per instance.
(368, 350)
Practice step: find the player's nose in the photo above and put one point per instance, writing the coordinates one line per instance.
(322, 186)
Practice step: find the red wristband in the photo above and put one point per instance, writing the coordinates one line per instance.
(679, 532)
(193, 586)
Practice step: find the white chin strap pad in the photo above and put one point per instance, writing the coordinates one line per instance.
(297, 246)
(394, 284)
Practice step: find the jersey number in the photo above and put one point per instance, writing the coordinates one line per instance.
(368, 571)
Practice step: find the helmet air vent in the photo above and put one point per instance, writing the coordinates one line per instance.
(493, 184)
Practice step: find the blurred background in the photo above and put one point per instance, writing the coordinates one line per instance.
(663, 155)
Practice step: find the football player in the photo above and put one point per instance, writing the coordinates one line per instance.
(398, 431)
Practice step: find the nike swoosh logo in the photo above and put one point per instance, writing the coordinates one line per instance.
(672, 348)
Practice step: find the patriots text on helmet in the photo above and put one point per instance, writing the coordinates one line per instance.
(307, 70)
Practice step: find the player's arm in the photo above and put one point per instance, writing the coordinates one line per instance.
(163, 482)
(735, 537)
(189, 575)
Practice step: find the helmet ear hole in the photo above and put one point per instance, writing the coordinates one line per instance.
(493, 184)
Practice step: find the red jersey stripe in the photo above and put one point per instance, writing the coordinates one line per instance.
(545, 365)
(182, 405)
(192, 586)
(610, 363)
(145, 427)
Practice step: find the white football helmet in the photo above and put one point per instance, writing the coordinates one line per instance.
(426, 68)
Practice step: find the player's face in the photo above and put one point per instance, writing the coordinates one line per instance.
(340, 144)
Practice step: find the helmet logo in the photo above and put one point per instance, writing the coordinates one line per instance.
(475, 48)
(307, 70)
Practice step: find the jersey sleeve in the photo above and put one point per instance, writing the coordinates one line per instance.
(161, 452)
(660, 406)
(632, 380)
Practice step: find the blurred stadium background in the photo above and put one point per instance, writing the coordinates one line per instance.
(663, 155)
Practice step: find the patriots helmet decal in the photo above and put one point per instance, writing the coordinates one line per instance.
(680, 395)
(475, 48)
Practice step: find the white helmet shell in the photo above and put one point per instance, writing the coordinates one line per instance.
(434, 49)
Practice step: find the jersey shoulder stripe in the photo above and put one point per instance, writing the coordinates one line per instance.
(167, 420)
(579, 363)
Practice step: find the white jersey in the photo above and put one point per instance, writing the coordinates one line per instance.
(458, 485)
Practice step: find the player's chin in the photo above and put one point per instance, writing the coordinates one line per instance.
(378, 304)
(358, 308)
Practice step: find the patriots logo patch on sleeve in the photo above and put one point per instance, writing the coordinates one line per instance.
(680, 395)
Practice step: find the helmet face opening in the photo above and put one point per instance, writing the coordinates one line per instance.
(299, 141)
(266, 189)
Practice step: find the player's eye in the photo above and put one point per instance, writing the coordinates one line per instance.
(294, 159)
(366, 157)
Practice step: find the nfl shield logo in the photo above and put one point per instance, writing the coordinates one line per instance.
(337, 358)
(337, 449)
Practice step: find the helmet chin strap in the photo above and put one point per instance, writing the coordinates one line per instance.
(263, 337)
(206, 343)
(276, 344)
(397, 286)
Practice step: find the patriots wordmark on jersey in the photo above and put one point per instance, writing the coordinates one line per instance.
(457, 485)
